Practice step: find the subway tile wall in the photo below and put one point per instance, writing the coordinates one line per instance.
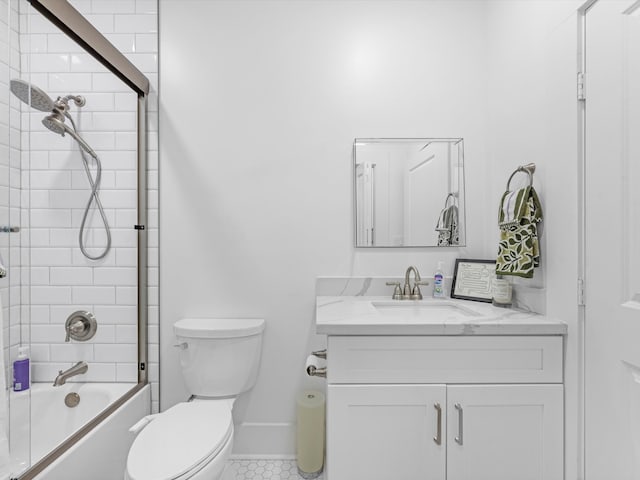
(55, 191)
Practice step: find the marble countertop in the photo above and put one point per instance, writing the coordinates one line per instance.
(371, 315)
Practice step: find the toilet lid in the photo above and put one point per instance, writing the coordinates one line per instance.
(179, 440)
(218, 327)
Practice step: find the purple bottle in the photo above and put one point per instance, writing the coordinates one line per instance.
(21, 371)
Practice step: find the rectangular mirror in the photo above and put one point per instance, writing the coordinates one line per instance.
(409, 192)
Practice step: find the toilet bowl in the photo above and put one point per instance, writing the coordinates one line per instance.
(193, 440)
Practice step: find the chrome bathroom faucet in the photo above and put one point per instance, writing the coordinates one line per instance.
(408, 292)
(78, 369)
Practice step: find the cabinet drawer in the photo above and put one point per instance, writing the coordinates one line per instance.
(444, 359)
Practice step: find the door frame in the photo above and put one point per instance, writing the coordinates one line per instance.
(581, 69)
(582, 119)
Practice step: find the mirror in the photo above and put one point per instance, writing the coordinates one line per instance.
(409, 192)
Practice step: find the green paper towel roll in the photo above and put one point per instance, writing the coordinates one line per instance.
(310, 432)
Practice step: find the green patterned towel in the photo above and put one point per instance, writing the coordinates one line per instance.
(518, 218)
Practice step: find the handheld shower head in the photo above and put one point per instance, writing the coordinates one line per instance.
(31, 95)
(38, 99)
(55, 123)
(58, 112)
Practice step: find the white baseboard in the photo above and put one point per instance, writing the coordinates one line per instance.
(274, 441)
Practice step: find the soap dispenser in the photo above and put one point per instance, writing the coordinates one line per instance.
(21, 380)
(438, 282)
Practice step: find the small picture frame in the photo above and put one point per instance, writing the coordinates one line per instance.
(472, 279)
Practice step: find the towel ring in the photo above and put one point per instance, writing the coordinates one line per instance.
(528, 169)
(452, 196)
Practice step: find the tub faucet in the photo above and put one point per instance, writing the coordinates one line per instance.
(77, 369)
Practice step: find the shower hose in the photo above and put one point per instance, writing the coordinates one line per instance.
(93, 197)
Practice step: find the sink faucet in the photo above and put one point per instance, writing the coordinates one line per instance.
(77, 369)
(413, 293)
(409, 292)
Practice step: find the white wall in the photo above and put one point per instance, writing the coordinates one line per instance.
(260, 104)
(533, 118)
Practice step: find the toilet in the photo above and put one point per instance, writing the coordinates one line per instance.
(193, 440)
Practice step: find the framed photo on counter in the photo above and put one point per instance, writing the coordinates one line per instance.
(472, 279)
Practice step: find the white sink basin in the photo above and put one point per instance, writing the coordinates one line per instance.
(434, 310)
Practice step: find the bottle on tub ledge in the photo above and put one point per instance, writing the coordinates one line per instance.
(438, 282)
(21, 380)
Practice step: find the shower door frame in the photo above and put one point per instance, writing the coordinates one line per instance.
(62, 14)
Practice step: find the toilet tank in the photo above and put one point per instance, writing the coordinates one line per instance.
(219, 357)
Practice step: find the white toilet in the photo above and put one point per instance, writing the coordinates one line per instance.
(192, 440)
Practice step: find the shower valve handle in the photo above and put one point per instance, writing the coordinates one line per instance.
(80, 326)
(75, 327)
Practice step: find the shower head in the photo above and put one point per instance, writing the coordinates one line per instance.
(55, 123)
(31, 95)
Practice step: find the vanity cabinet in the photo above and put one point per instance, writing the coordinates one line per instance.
(445, 407)
(506, 432)
(385, 432)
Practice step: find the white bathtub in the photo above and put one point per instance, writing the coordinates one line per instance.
(52, 422)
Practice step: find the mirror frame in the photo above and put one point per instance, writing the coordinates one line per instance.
(461, 183)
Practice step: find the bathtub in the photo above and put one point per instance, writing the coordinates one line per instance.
(52, 422)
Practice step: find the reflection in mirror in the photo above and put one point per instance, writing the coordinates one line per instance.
(409, 192)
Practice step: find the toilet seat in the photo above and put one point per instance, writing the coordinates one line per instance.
(180, 441)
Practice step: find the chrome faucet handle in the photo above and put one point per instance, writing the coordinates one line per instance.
(397, 291)
(73, 328)
(80, 326)
(416, 294)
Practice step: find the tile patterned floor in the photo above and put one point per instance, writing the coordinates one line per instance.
(263, 470)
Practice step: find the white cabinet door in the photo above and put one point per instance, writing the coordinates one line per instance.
(384, 432)
(505, 432)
